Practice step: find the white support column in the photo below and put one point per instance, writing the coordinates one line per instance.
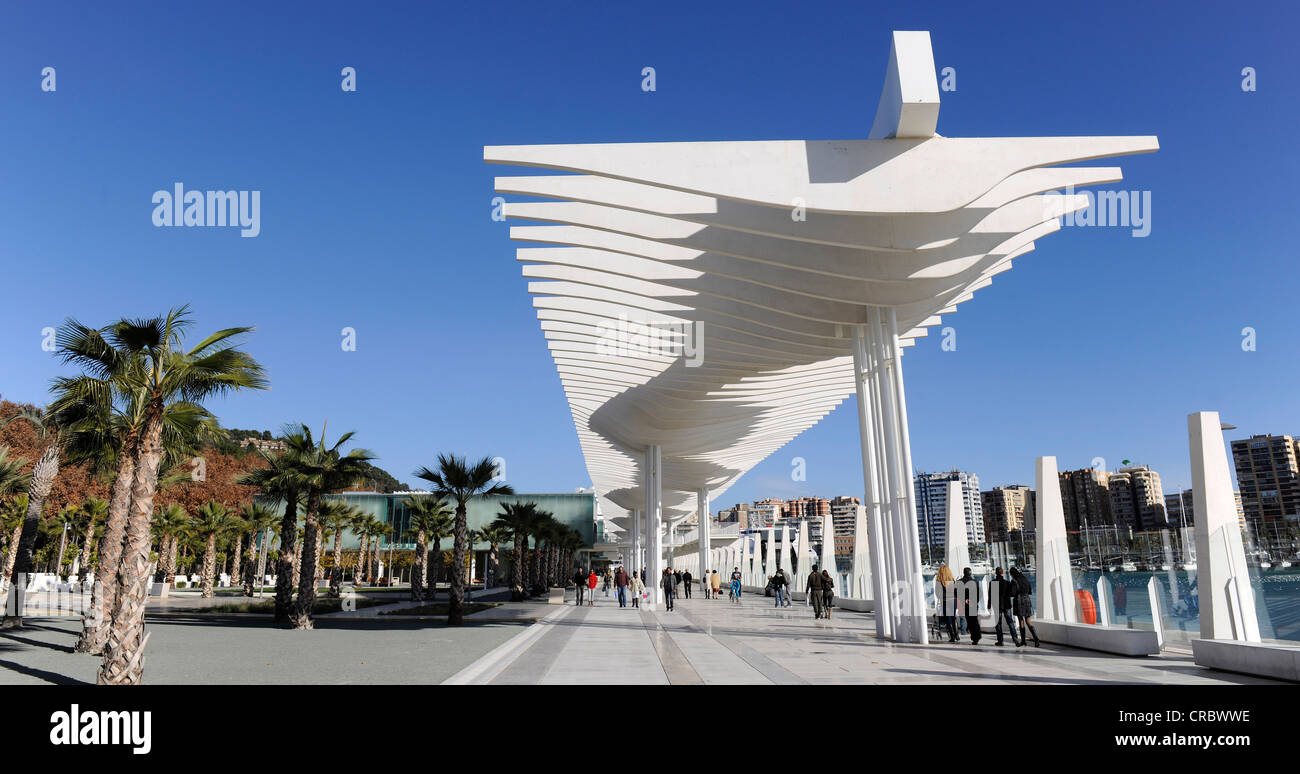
(801, 568)
(910, 545)
(1055, 581)
(1227, 600)
(863, 585)
(784, 554)
(956, 543)
(703, 530)
(654, 525)
(771, 553)
(635, 562)
(871, 510)
(886, 466)
(828, 550)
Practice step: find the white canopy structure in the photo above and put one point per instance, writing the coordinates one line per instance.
(706, 302)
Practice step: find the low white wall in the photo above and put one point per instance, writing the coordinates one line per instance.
(1108, 639)
(1253, 658)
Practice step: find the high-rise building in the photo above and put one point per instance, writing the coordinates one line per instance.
(1007, 509)
(1137, 501)
(1085, 496)
(765, 513)
(736, 514)
(932, 508)
(1182, 513)
(806, 508)
(844, 514)
(1269, 479)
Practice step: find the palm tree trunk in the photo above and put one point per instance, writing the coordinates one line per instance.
(358, 572)
(124, 653)
(173, 549)
(250, 569)
(43, 473)
(298, 545)
(87, 542)
(336, 573)
(537, 565)
(209, 566)
(421, 559)
(301, 615)
(460, 538)
(237, 561)
(287, 560)
(433, 568)
(517, 569)
(492, 565)
(12, 554)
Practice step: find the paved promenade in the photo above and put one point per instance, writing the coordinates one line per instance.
(721, 642)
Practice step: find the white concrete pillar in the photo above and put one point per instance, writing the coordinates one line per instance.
(1227, 601)
(770, 568)
(704, 528)
(862, 575)
(956, 544)
(801, 568)
(784, 552)
(872, 508)
(1054, 580)
(828, 549)
(654, 524)
(908, 548)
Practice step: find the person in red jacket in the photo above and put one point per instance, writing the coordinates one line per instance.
(591, 589)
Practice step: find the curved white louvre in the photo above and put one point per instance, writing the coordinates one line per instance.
(706, 302)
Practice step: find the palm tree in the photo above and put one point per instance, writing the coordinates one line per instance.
(495, 534)
(282, 482)
(442, 528)
(361, 525)
(112, 404)
(322, 469)
(335, 517)
(457, 480)
(168, 374)
(13, 480)
(430, 516)
(258, 519)
(516, 519)
(379, 529)
(93, 511)
(213, 520)
(170, 524)
(47, 424)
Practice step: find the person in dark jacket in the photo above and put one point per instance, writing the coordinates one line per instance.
(620, 582)
(1024, 605)
(945, 588)
(686, 583)
(828, 593)
(580, 580)
(666, 583)
(778, 587)
(1002, 595)
(968, 600)
(814, 590)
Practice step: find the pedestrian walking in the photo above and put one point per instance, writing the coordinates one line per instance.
(970, 605)
(945, 599)
(638, 590)
(609, 580)
(715, 584)
(1002, 594)
(666, 583)
(735, 584)
(591, 589)
(677, 582)
(813, 588)
(778, 587)
(620, 582)
(1024, 605)
(580, 581)
(686, 583)
(828, 594)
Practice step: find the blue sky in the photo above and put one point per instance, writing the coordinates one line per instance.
(376, 208)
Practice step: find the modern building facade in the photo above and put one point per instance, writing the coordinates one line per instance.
(1137, 500)
(1085, 495)
(932, 508)
(1268, 477)
(1007, 509)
